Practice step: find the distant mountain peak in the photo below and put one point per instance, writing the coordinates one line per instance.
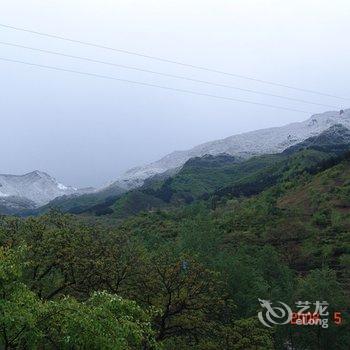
(37, 173)
(36, 187)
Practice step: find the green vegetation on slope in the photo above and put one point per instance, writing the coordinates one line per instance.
(188, 277)
(203, 177)
(218, 176)
(187, 273)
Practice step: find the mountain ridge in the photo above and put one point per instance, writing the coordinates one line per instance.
(257, 142)
(37, 188)
(213, 177)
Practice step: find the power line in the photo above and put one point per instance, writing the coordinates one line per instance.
(151, 85)
(165, 74)
(171, 61)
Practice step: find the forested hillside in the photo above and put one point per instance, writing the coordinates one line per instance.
(182, 262)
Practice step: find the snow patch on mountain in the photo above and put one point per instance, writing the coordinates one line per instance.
(264, 141)
(36, 186)
(3, 194)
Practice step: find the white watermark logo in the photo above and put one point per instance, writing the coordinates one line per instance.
(274, 315)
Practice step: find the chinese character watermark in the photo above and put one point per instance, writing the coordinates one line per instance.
(308, 314)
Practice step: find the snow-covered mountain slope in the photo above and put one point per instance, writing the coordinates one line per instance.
(272, 140)
(37, 187)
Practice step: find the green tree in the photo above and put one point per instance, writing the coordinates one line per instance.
(104, 321)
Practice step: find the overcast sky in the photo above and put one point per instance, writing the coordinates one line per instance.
(86, 131)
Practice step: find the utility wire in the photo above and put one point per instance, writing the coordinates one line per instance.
(171, 61)
(151, 85)
(165, 74)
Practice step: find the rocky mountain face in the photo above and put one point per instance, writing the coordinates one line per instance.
(246, 145)
(32, 190)
(337, 138)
